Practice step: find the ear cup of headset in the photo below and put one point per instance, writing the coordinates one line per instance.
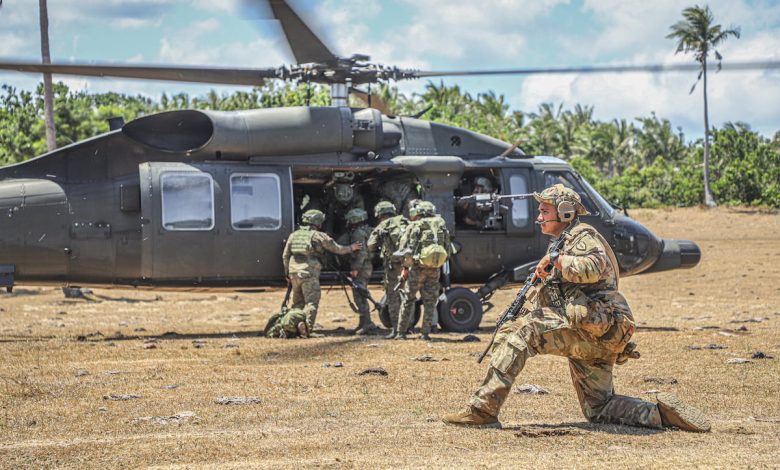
(566, 211)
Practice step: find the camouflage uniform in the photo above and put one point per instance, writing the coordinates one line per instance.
(576, 313)
(302, 264)
(339, 201)
(360, 261)
(386, 236)
(399, 192)
(285, 325)
(421, 278)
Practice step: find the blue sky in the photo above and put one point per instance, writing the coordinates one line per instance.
(428, 35)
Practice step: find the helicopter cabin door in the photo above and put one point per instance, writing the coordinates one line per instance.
(214, 224)
(493, 235)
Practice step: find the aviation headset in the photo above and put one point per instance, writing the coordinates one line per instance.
(566, 211)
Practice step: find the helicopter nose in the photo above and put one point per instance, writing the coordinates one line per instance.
(635, 246)
(638, 250)
(676, 254)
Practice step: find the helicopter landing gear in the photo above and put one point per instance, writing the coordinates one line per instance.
(460, 310)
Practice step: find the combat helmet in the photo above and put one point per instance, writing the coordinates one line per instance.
(343, 192)
(313, 217)
(484, 182)
(565, 200)
(384, 208)
(356, 215)
(425, 209)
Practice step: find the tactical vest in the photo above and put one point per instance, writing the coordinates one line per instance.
(300, 242)
(433, 242)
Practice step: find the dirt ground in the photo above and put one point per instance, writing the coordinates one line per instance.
(65, 365)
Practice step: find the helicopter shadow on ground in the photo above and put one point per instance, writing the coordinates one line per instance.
(16, 292)
(576, 428)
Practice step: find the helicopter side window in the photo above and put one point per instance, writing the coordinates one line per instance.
(568, 180)
(521, 213)
(255, 201)
(187, 201)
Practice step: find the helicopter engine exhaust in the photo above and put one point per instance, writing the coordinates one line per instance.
(238, 135)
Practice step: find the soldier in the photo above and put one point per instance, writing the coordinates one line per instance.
(341, 198)
(290, 323)
(399, 192)
(386, 237)
(302, 264)
(424, 247)
(577, 313)
(360, 267)
(468, 212)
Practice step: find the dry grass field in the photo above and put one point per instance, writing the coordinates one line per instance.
(65, 363)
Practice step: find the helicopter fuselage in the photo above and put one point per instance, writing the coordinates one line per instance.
(207, 199)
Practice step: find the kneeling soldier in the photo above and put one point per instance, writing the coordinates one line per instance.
(578, 313)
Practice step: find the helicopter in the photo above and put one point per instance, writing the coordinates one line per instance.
(206, 199)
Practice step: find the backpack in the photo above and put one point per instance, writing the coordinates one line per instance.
(395, 228)
(433, 240)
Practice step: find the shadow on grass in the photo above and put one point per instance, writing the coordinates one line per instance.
(579, 428)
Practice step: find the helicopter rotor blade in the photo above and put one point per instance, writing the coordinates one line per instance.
(652, 68)
(305, 45)
(249, 77)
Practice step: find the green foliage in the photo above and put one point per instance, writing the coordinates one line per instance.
(644, 163)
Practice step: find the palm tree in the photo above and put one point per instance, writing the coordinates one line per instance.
(48, 93)
(698, 34)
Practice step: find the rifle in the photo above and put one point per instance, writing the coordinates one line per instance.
(359, 288)
(516, 307)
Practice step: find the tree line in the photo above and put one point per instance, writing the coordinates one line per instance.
(644, 162)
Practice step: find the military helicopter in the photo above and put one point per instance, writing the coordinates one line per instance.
(206, 199)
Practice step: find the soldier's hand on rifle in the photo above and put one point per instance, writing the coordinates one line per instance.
(540, 272)
(357, 246)
(353, 274)
(405, 273)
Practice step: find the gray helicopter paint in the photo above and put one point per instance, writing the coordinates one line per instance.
(97, 201)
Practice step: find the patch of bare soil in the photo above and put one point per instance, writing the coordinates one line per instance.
(190, 384)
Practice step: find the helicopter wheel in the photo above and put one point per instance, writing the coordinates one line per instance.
(460, 310)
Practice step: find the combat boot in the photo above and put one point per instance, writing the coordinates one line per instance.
(303, 329)
(424, 337)
(676, 413)
(400, 336)
(473, 417)
(391, 335)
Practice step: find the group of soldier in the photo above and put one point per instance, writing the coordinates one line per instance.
(412, 250)
(576, 310)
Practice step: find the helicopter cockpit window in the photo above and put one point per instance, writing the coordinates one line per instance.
(568, 180)
(255, 202)
(187, 201)
(521, 212)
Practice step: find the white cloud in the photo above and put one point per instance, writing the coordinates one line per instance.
(135, 23)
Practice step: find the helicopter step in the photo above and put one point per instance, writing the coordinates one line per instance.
(7, 272)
